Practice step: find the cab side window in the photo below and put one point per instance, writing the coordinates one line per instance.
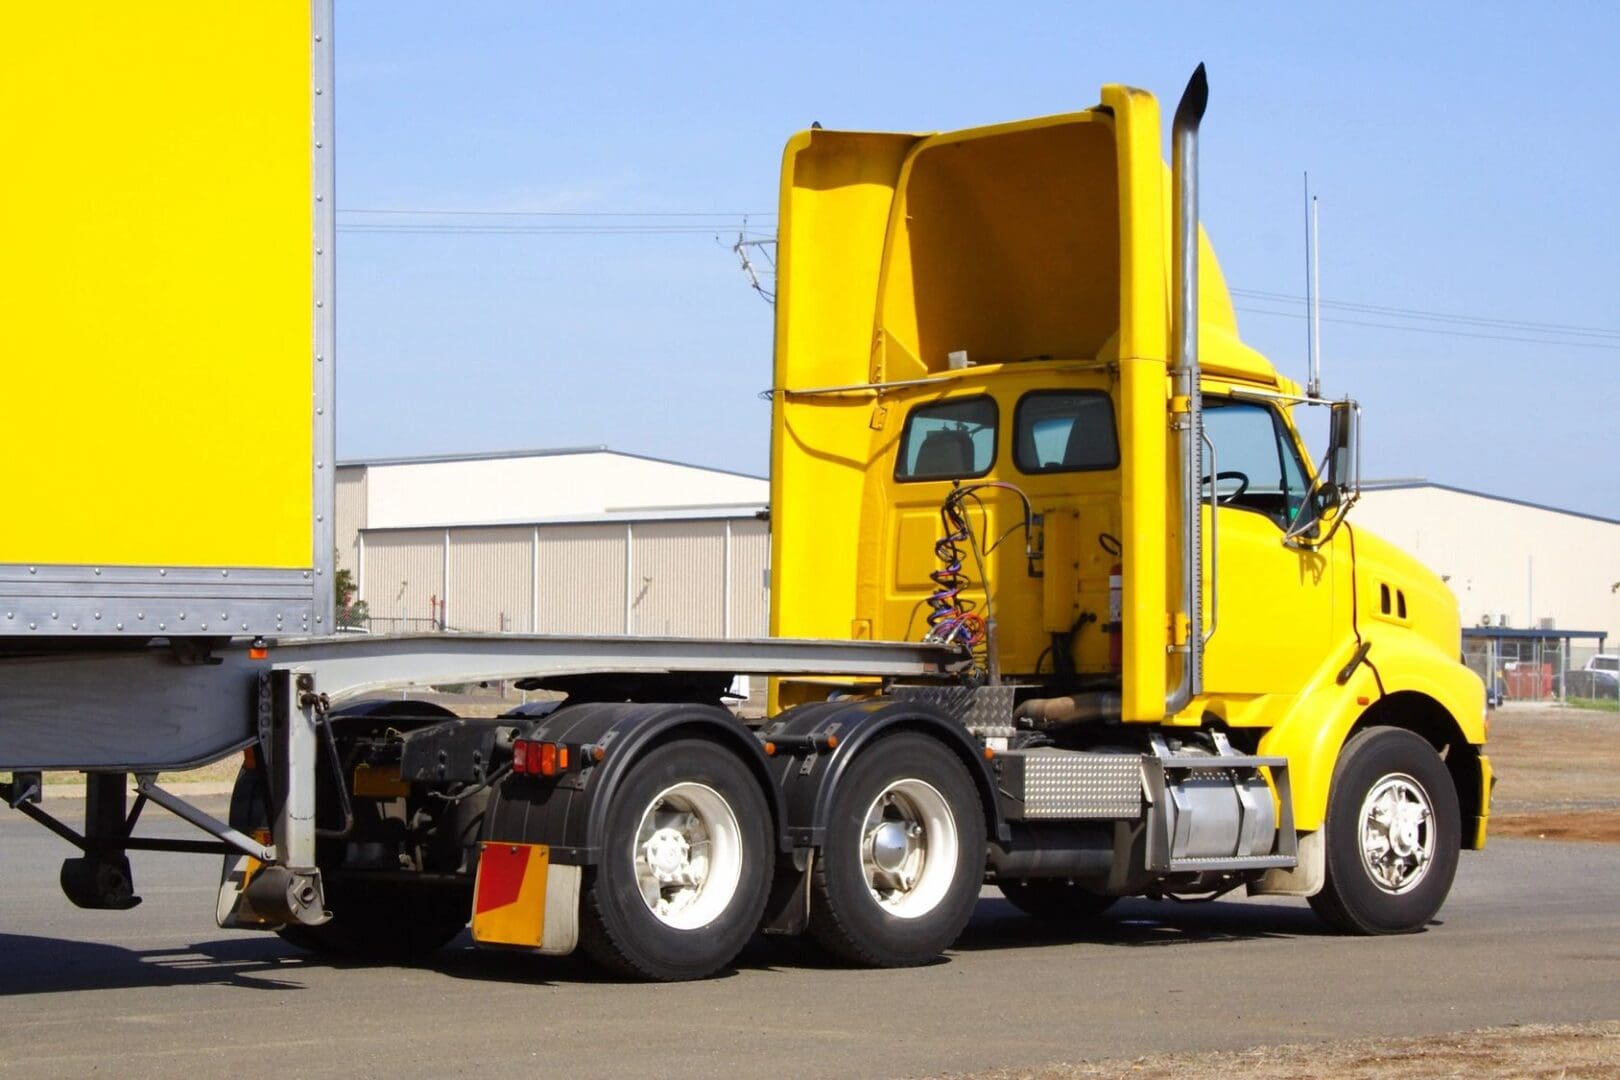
(1065, 432)
(948, 440)
(1256, 464)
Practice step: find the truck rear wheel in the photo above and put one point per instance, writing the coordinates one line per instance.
(903, 858)
(684, 872)
(1393, 835)
(1055, 900)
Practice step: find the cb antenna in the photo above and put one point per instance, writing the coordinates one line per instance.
(1313, 298)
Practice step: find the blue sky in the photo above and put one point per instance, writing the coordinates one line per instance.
(1465, 156)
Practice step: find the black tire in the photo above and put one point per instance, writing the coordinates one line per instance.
(1415, 868)
(846, 915)
(619, 929)
(1055, 900)
(384, 921)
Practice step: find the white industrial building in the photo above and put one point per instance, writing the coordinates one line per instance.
(576, 541)
(1509, 563)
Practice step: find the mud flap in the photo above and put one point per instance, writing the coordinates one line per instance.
(1305, 878)
(523, 900)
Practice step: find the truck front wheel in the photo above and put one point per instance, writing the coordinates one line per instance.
(1393, 835)
(903, 859)
(684, 872)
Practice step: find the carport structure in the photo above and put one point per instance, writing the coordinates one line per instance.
(1525, 664)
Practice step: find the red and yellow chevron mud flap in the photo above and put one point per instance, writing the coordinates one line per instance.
(524, 900)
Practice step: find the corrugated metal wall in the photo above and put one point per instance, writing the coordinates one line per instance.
(349, 516)
(491, 579)
(750, 586)
(678, 571)
(403, 572)
(572, 578)
(581, 579)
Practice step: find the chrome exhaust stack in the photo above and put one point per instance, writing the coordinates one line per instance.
(1188, 424)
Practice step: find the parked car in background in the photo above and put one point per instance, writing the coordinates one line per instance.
(1600, 678)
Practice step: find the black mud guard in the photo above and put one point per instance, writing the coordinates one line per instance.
(808, 770)
(569, 813)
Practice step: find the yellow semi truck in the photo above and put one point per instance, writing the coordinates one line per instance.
(1059, 601)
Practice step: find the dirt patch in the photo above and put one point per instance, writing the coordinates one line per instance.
(1552, 759)
(1557, 773)
(1600, 825)
(1538, 1051)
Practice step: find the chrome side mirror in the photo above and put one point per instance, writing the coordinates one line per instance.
(1343, 464)
(1338, 480)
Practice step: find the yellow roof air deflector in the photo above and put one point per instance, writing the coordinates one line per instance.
(1041, 237)
(1003, 243)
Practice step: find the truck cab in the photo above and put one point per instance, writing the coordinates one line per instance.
(1013, 410)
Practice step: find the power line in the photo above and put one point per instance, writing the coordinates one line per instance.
(1435, 330)
(1435, 316)
(683, 222)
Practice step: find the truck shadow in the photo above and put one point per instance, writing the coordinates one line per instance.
(997, 924)
(42, 965)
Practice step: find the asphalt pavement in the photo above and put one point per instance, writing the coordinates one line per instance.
(1531, 934)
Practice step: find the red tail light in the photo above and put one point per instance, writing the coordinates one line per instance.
(531, 758)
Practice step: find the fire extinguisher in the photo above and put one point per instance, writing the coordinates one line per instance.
(1115, 627)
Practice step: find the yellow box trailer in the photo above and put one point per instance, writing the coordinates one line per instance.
(166, 319)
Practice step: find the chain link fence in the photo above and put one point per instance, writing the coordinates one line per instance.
(1544, 669)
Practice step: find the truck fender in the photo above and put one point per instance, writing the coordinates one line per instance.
(570, 814)
(814, 745)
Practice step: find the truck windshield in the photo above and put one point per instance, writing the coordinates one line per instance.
(1257, 465)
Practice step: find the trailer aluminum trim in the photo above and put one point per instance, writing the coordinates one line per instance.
(43, 601)
(74, 710)
(358, 664)
(323, 181)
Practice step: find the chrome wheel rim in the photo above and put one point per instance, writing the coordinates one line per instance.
(909, 848)
(688, 855)
(1397, 834)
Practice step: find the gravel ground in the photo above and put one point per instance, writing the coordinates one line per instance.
(1564, 1052)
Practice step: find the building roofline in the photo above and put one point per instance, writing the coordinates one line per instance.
(490, 455)
(728, 512)
(1404, 484)
(507, 455)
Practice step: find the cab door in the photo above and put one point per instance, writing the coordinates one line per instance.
(1271, 603)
